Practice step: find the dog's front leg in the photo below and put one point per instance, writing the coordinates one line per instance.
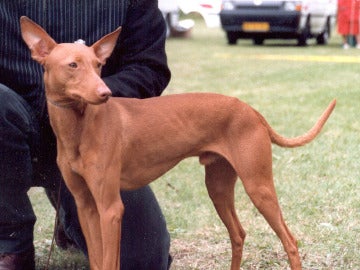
(105, 188)
(88, 215)
(111, 213)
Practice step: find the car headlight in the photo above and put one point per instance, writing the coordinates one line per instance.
(292, 6)
(228, 5)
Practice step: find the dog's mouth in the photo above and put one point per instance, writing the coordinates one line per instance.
(96, 96)
(100, 100)
(94, 101)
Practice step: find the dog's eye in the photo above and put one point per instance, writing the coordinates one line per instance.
(73, 65)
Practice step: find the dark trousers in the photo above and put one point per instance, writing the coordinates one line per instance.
(27, 158)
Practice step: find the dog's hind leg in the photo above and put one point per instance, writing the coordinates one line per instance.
(220, 182)
(255, 170)
(264, 198)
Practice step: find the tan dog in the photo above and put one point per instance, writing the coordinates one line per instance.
(107, 144)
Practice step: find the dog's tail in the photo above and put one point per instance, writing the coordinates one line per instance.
(303, 139)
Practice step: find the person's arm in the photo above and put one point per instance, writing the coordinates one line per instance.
(138, 67)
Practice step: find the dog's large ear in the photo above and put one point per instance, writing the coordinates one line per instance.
(104, 47)
(38, 41)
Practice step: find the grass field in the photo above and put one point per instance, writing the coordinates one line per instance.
(317, 185)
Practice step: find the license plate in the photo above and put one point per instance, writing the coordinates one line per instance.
(255, 26)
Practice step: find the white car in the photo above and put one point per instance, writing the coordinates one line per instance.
(208, 9)
(281, 19)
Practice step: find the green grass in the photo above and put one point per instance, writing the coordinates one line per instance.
(317, 185)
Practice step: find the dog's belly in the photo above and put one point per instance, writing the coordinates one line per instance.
(141, 176)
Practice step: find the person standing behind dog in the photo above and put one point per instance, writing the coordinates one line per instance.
(348, 21)
(137, 68)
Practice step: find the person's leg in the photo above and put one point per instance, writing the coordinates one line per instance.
(18, 139)
(357, 41)
(145, 240)
(345, 42)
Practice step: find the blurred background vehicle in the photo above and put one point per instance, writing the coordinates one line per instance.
(175, 28)
(278, 19)
(208, 9)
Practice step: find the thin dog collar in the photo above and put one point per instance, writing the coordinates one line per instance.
(61, 105)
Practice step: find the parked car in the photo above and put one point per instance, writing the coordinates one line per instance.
(208, 9)
(282, 19)
(175, 27)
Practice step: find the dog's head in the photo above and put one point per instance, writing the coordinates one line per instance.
(71, 70)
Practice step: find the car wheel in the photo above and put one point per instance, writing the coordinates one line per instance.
(302, 39)
(323, 38)
(258, 41)
(231, 37)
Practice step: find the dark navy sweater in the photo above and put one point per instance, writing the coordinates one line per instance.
(137, 67)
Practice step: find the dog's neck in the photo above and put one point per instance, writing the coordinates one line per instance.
(66, 121)
(63, 105)
(78, 106)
